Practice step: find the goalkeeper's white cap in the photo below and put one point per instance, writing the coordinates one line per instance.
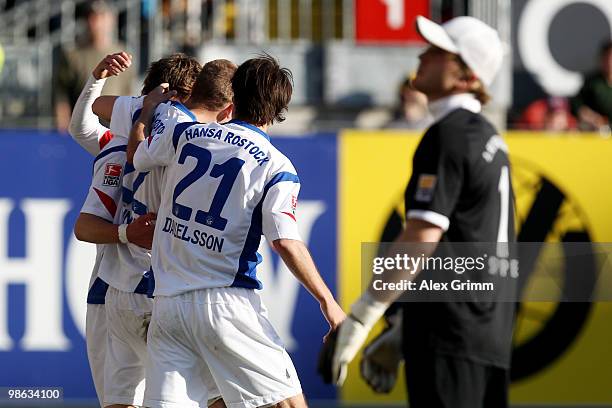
(478, 45)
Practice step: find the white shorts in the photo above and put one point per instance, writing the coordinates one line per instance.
(226, 331)
(127, 316)
(95, 338)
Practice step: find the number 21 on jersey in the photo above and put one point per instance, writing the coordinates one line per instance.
(228, 171)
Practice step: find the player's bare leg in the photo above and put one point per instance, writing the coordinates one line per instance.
(294, 402)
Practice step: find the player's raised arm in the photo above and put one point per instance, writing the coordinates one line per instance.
(112, 65)
(84, 127)
(141, 128)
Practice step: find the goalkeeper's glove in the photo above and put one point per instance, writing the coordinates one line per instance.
(382, 357)
(351, 335)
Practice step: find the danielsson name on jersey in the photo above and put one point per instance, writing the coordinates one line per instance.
(226, 185)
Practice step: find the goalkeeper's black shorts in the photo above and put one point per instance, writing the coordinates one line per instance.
(441, 381)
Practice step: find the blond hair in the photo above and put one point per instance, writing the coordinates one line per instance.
(477, 89)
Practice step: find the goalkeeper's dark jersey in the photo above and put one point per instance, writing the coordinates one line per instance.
(461, 183)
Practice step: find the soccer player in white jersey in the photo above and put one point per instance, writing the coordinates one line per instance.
(226, 185)
(117, 356)
(211, 100)
(99, 222)
(84, 127)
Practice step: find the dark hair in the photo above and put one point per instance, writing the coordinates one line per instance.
(262, 91)
(178, 70)
(213, 87)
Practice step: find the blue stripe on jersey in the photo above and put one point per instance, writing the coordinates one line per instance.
(97, 292)
(136, 115)
(118, 148)
(178, 131)
(146, 284)
(139, 180)
(127, 196)
(129, 168)
(139, 208)
(250, 126)
(151, 287)
(246, 277)
(183, 108)
(282, 176)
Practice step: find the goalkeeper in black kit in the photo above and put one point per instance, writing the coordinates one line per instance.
(456, 353)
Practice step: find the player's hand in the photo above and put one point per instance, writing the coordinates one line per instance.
(343, 343)
(333, 314)
(159, 94)
(382, 357)
(112, 64)
(140, 231)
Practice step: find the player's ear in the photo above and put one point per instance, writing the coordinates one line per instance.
(225, 114)
(467, 81)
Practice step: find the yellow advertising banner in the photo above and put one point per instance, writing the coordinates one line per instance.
(563, 349)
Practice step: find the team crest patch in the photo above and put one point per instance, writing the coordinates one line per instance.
(425, 188)
(112, 174)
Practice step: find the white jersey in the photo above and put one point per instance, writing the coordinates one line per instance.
(226, 185)
(141, 190)
(122, 265)
(104, 201)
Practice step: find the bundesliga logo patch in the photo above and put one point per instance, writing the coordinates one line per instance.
(425, 188)
(112, 174)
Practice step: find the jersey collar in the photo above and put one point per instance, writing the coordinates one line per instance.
(250, 126)
(183, 108)
(442, 107)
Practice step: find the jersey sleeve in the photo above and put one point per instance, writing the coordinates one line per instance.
(104, 195)
(159, 148)
(279, 207)
(125, 110)
(85, 128)
(437, 178)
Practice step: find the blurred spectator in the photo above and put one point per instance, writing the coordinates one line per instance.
(74, 65)
(551, 114)
(593, 104)
(412, 111)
